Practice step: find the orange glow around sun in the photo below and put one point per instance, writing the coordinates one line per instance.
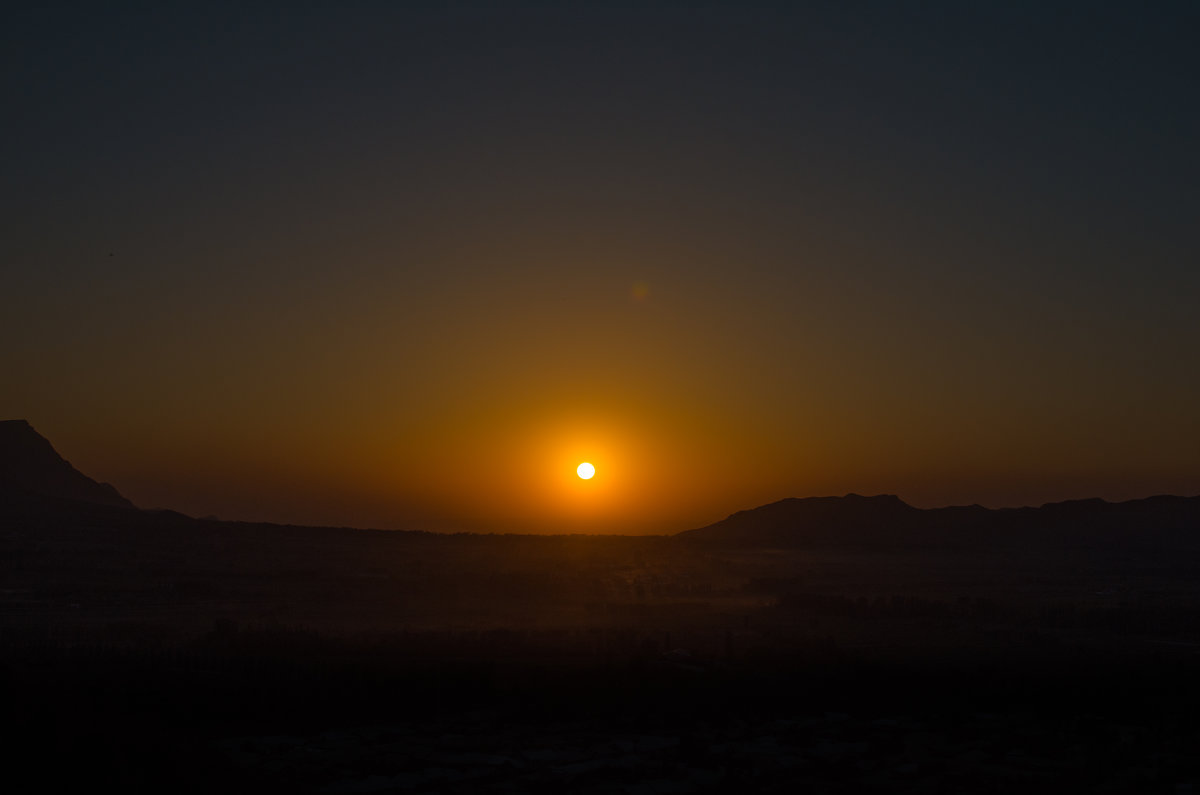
(515, 468)
(565, 465)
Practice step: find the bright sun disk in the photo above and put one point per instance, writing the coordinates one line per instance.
(585, 470)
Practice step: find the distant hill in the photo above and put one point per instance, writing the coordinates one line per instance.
(885, 521)
(29, 464)
(812, 520)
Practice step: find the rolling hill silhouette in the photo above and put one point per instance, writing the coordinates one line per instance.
(885, 521)
(29, 465)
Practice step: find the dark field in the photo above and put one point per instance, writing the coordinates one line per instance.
(152, 650)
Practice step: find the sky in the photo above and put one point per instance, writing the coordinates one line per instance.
(407, 264)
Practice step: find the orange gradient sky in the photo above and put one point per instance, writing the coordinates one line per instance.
(408, 267)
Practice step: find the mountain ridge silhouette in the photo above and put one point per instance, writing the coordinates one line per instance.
(884, 520)
(29, 464)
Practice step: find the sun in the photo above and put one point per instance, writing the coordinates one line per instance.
(585, 470)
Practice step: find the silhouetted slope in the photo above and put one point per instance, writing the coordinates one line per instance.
(812, 520)
(886, 521)
(29, 464)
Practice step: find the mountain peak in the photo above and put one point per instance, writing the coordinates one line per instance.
(886, 521)
(30, 464)
(823, 519)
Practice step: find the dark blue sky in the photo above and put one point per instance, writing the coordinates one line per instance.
(943, 249)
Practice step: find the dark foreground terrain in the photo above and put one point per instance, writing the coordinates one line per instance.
(301, 715)
(850, 644)
(150, 650)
